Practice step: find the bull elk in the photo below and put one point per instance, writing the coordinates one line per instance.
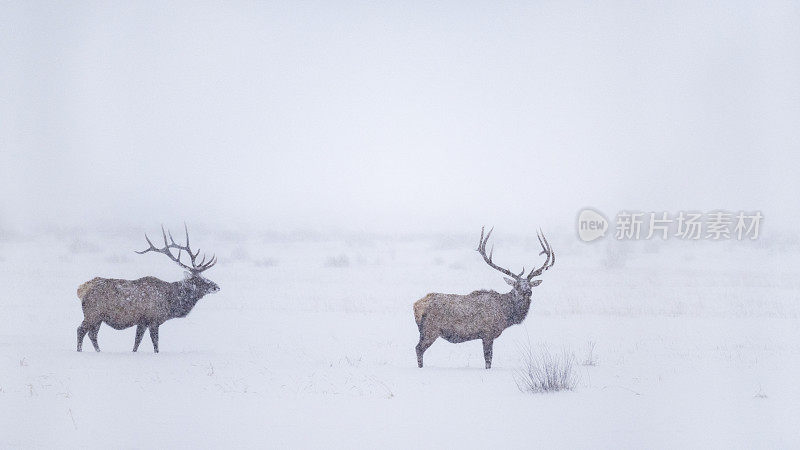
(481, 314)
(147, 302)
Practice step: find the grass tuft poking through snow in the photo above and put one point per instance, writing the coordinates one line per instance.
(340, 261)
(591, 356)
(543, 371)
(760, 393)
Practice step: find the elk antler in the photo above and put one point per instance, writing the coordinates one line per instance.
(482, 250)
(196, 268)
(551, 256)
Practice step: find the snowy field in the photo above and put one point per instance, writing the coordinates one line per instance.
(394, 130)
(310, 343)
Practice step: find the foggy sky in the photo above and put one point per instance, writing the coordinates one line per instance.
(395, 116)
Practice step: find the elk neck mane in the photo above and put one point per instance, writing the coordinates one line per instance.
(519, 303)
(185, 296)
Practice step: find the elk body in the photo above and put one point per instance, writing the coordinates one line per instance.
(147, 302)
(481, 314)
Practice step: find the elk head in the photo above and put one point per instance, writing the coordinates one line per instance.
(521, 283)
(194, 279)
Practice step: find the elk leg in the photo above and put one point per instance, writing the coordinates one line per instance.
(82, 330)
(425, 341)
(93, 336)
(139, 334)
(154, 337)
(487, 352)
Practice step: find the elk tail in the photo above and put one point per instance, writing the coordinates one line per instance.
(420, 307)
(86, 287)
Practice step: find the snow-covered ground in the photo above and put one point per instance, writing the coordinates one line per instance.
(310, 343)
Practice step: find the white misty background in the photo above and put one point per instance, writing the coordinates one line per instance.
(391, 118)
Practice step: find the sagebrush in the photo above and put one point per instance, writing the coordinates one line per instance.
(546, 371)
